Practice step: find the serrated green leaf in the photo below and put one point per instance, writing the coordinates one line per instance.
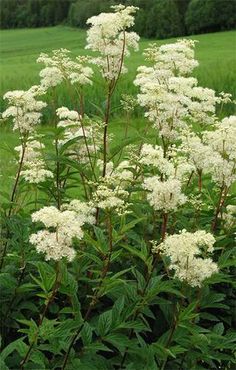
(104, 323)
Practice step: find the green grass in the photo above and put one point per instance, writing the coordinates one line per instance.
(20, 48)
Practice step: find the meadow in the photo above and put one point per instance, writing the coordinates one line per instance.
(20, 48)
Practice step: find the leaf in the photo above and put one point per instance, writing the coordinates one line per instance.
(120, 341)
(157, 286)
(3, 366)
(135, 252)
(97, 346)
(104, 322)
(130, 225)
(66, 328)
(8, 282)
(212, 300)
(18, 345)
(69, 143)
(188, 313)
(47, 275)
(162, 352)
(38, 358)
(26, 288)
(115, 150)
(86, 334)
(135, 325)
(218, 328)
(225, 260)
(69, 285)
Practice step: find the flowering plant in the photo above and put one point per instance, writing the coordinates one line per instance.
(120, 255)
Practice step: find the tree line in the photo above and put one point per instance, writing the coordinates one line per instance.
(155, 19)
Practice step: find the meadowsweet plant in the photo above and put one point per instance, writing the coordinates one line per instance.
(118, 243)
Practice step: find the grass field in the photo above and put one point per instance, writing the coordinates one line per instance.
(19, 50)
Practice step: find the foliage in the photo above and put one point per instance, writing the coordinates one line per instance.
(163, 20)
(156, 18)
(97, 268)
(32, 13)
(210, 15)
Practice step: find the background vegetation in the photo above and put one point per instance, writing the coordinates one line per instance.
(20, 48)
(156, 18)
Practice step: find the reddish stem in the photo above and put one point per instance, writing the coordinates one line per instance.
(164, 226)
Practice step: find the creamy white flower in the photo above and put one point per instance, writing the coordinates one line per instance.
(177, 57)
(50, 77)
(171, 98)
(109, 37)
(34, 170)
(111, 199)
(229, 216)
(172, 102)
(224, 98)
(128, 102)
(59, 67)
(61, 229)
(68, 117)
(222, 139)
(52, 245)
(173, 166)
(200, 155)
(89, 134)
(164, 195)
(223, 171)
(154, 156)
(222, 143)
(24, 109)
(185, 251)
(85, 211)
(119, 176)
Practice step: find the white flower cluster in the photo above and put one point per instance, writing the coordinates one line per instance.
(175, 103)
(111, 193)
(185, 251)
(108, 198)
(222, 139)
(61, 228)
(70, 121)
(89, 136)
(164, 195)
(154, 156)
(120, 176)
(85, 211)
(229, 216)
(172, 102)
(200, 155)
(24, 109)
(171, 166)
(34, 170)
(108, 36)
(171, 98)
(177, 58)
(223, 144)
(59, 67)
(128, 102)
